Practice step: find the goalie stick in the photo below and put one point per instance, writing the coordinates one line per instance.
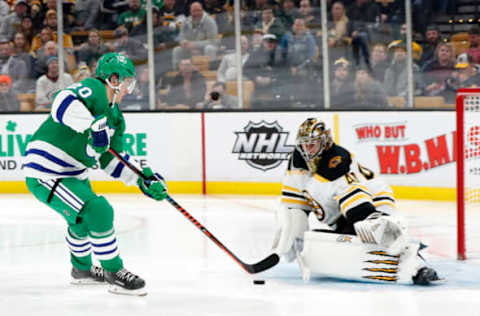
(260, 266)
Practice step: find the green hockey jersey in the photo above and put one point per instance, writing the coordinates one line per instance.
(59, 148)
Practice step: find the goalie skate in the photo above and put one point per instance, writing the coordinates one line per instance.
(94, 276)
(126, 283)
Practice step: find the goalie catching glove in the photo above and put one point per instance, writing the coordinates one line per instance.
(154, 187)
(98, 135)
(383, 230)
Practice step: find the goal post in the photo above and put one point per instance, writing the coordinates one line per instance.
(468, 162)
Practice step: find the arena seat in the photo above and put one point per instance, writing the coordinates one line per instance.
(27, 101)
(201, 62)
(396, 102)
(248, 88)
(429, 102)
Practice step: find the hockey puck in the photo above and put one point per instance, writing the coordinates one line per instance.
(258, 282)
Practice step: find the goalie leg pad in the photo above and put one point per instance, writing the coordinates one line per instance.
(292, 224)
(346, 257)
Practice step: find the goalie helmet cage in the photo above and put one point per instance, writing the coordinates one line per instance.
(468, 163)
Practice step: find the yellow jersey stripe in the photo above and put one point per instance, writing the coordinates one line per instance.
(319, 178)
(288, 188)
(292, 201)
(359, 196)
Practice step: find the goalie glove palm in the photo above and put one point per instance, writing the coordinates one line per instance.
(98, 135)
(154, 186)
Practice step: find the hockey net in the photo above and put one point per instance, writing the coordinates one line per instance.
(468, 172)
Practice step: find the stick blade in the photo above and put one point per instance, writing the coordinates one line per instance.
(263, 265)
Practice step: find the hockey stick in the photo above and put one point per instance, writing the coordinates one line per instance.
(260, 266)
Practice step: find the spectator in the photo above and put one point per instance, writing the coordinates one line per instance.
(12, 65)
(8, 27)
(82, 72)
(466, 76)
(173, 11)
(396, 76)
(417, 50)
(361, 14)
(92, 49)
(474, 50)
(133, 16)
(227, 70)
(271, 25)
(130, 47)
(342, 85)
(20, 44)
(379, 61)
(310, 16)
(164, 33)
(287, 14)
(4, 10)
(26, 27)
(338, 40)
(219, 99)
(432, 36)
(437, 70)
(265, 67)
(87, 13)
(40, 66)
(164, 38)
(8, 99)
(299, 53)
(217, 12)
(51, 22)
(368, 92)
(198, 35)
(48, 85)
(41, 8)
(41, 39)
(187, 88)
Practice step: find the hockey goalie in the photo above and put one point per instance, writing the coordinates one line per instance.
(363, 238)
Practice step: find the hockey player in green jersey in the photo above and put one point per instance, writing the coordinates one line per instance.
(84, 122)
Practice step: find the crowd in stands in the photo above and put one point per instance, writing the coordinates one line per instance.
(195, 64)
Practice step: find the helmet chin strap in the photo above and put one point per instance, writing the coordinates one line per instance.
(116, 90)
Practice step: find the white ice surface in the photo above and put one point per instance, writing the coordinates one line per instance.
(187, 274)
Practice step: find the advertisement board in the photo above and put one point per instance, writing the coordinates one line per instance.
(406, 148)
(170, 143)
(252, 147)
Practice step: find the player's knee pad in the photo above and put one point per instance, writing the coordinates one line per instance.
(292, 224)
(346, 257)
(98, 214)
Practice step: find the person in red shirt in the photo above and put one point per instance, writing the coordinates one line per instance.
(474, 50)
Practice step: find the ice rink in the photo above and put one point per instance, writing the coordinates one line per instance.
(187, 274)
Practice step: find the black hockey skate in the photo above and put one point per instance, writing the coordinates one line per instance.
(426, 276)
(86, 277)
(125, 282)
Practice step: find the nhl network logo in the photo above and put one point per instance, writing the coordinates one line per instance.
(262, 145)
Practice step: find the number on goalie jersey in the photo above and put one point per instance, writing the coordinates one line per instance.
(330, 182)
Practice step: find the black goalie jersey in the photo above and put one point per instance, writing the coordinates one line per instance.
(335, 186)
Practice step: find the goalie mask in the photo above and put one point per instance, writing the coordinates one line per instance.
(313, 138)
(117, 64)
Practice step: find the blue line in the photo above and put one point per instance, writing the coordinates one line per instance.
(105, 252)
(60, 196)
(74, 197)
(75, 245)
(63, 107)
(105, 244)
(38, 167)
(49, 156)
(119, 168)
(79, 251)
